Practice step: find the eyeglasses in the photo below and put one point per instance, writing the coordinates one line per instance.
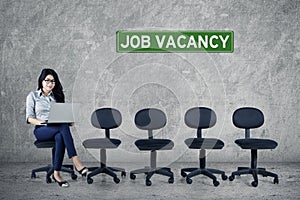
(49, 81)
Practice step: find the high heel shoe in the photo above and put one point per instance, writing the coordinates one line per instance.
(83, 171)
(61, 184)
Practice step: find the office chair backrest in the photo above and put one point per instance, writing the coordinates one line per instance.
(150, 119)
(247, 118)
(200, 118)
(106, 118)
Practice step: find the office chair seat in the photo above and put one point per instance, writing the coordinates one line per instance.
(154, 144)
(44, 144)
(99, 143)
(255, 143)
(204, 143)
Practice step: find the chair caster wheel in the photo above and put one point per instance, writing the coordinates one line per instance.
(216, 183)
(132, 176)
(116, 180)
(48, 180)
(254, 183)
(123, 174)
(183, 174)
(276, 180)
(148, 183)
(73, 176)
(171, 180)
(224, 177)
(189, 181)
(231, 178)
(33, 175)
(89, 180)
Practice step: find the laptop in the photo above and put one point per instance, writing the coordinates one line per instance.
(63, 113)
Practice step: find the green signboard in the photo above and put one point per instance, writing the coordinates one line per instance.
(175, 41)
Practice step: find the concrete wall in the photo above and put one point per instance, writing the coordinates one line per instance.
(77, 39)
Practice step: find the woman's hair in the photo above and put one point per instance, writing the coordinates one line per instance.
(57, 90)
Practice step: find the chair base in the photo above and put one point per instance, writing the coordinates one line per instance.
(103, 168)
(50, 170)
(202, 170)
(106, 170)
(205, 171)
(150, 171)
(255, 172)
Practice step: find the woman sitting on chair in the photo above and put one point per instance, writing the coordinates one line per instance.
(38, 105)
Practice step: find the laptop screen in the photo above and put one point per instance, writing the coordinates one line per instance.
(63, 113)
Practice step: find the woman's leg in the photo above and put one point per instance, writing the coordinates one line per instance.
(68, 141)
(48, 133)
(78, 164)
(59, 152)
(45, 132)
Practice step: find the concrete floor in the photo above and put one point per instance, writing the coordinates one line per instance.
(16, 183)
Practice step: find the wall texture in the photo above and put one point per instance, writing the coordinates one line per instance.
(77, 39)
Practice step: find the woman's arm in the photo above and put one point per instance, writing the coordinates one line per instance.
(35, 121)
(30, 110)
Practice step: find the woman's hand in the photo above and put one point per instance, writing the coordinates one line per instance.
(42, 121)
(36, 121)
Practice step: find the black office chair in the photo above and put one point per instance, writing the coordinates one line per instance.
(202, 118)
(49, 169)
(104, 118)
(248, 118)
(151, 119)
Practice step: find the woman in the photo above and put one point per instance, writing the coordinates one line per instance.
(38, 105)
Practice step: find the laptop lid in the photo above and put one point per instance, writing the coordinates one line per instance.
(63, 113)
